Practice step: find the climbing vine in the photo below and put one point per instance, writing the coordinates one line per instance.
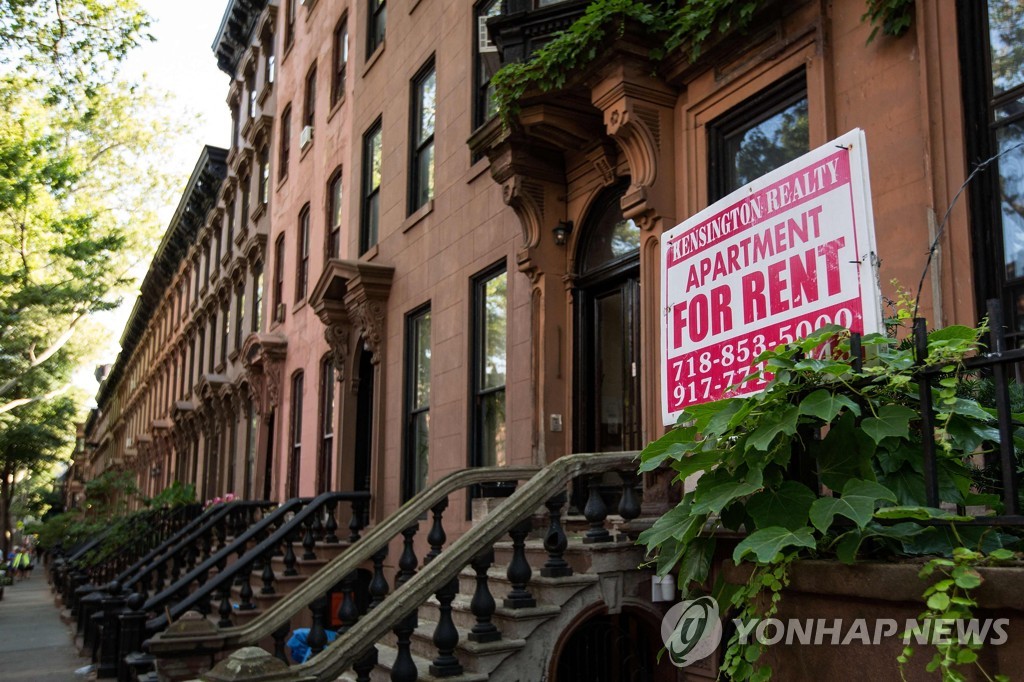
(668, 24)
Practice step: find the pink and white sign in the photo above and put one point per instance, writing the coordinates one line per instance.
(772, 262)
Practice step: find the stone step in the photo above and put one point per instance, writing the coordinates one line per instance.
(511, 623)
(547, 591)
(583, 558)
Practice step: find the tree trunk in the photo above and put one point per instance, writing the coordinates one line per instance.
(6, 493)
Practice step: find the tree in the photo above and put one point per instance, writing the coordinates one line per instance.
(78, 203)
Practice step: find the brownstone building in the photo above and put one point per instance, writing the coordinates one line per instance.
(380, 284)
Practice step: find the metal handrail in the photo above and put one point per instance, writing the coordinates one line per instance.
(312, 506)
(340, 655)
(149, 556)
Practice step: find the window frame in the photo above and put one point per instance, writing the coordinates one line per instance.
(419, 147)
(412, 479)
(289, 24)
(302, 255)
(376, 25)
(309, 98)
(277, 294)
(479, 109)
(761, 106)
(285, 144)
(335, 206)
(479, 392)
(295, 434)
(327, 410)
(369, 228)
(339, 59)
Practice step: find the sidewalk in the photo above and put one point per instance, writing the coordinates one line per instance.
(34, 643)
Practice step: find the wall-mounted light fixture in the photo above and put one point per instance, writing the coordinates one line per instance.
(562, 231)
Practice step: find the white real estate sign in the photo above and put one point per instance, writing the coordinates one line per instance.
(778, 258)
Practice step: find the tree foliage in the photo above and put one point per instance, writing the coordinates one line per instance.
(78, 199)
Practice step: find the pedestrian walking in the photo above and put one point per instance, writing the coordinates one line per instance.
(21, 563)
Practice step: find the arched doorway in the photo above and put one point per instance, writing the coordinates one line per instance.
(620, 647)
(363, 450)
(607, 345)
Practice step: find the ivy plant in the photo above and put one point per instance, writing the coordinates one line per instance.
(667, 25)
(857, 429)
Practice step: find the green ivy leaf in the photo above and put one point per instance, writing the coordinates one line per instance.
(765, 544)
(678, 523)
(825, 405)
(954, 332)
(966, 578)
(712, 498)
(786, 506)
(921, 513)
(849, 543)
(701, 461)
(892, 420)
(857, 504)
(696, 562)
(843, 454)
(938, 601)
(672, 445)
(971, 409)
(784, 423)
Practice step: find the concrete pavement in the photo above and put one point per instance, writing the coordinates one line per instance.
(34, 643)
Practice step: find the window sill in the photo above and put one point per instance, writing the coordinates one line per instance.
(335, 107)
(219, 369)
(370, 253)
(414, 5)
(226, 258)
(417, 215)
(261, 210)
(287, 51)
(297, 306)
(280, 182)
(304, 151)
(372, 59)
(310, 6)
(233, 355)
(477, 169)
(261, 98)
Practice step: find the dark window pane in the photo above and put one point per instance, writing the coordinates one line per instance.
(495, 316)
(421, 450)
(1011, 193)
(492, 429)
(421, 396)
(754, 151)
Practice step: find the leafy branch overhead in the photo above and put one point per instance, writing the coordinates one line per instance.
(669, 26)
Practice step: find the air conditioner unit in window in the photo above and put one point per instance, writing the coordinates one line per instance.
(305, 137)
(279, 312)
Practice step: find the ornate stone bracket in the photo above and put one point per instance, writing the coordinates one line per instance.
(263, 358)
(638, 110)
(352, 295)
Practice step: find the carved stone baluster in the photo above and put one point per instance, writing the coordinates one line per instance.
(519, 571)
(404, 668)
(555, 540)
(318, 526)
(267, 575)
(483, 604)
(365, 665)
(317, 638)
(629, 503)
(358, 520)
(224, 610)
(348, 612)
(308, 542)
(331, 524)
(446, 635)
(407, 562)
(378, 584)
(436, 537)
(280, 635)
(596, 512)
(245, 602)
(289, 555)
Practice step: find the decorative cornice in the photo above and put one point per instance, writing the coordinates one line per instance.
(263, 357)
(356, 291)
(235, 33)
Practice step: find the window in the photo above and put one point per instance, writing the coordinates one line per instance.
(490, 316)
(295, 451)
(231, 226)
(239, 315)
(289, 25)
(234, 123)
(213, 344)
(245, 201)
(225, 332)
(417, 400)
(250, 88)
(201, 344)
(326, 453)
(206, 262)
(257, 298)
(487, 63)
(252, 422)
(302, 267)
(334, 216)
(371, 187)
(992, 63)
(309, 106)
(759, 135)
(286, 141)
(264, 189)
(277, 299)
(217, 231)
(375, 26)
(268, 50)
(421, 171)
(340, 60)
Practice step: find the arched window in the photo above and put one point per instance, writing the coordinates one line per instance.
(609, 237)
